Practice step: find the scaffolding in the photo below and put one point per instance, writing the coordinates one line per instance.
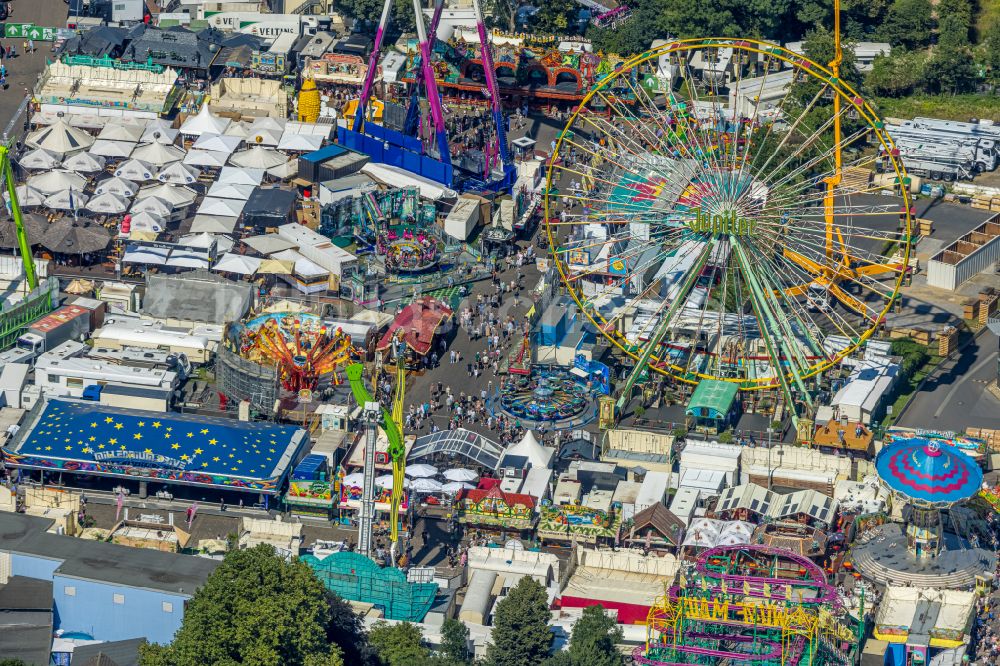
(355, 577)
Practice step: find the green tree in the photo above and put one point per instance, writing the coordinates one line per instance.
(897, 74)
(521, 634)
(908, 23)
(991, 51)
(950, 70)
(12, 662)
(555, 17)
(455, 642)
(860, 18)
(954, 22)
(399, 644)
(594, 638)
(255, 609)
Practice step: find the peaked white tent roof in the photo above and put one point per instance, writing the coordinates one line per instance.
(703, 533)
(223, 207)
(114, 149)
(537, 455)
(241, 176)
(154, 205)
(303, 266)
(264, 137)
(158, 154)
(300, 142)
(60, 138)
(110, 204)
(205, 158)
(85, 163)
(238, 130)
(207, 240)
(39, 158)
(148, 221)
(117, 185)
(176, 195)
(213, 224)
(66, 200)
(51, 182)
(204, 122)
(217, 143)
(135, 170)
(178, 173)
(26, 196)
(286, 170)
(259, 157)
(121, 132)
(735, 532)
(230, 191)
(267, 123)
(238, 263)
(157, 134)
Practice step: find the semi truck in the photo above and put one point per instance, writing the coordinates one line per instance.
(71, 322)
(267, 26)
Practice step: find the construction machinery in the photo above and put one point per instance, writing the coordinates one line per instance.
(390, 422)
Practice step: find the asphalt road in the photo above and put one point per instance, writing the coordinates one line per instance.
(24, 70)
(954, 397)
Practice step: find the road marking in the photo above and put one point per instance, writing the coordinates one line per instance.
(958, 384)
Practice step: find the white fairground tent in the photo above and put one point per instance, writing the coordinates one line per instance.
(178, 174)
(60, 138)
(120, 186)
(703, 533)
(51, 182)
(158, 154)
(85, 163)
(528, 447)
(230, 191)
(39, 158)
(115, 150)
(129, 133)
(135, 170)
(237, 263)
(259, 157)
(232, 175)
(205, 158)
(217, 143)
(176, 195)
(204, 123)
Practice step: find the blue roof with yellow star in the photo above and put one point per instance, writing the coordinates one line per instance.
(85, 437)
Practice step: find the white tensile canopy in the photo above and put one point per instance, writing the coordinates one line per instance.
(237, 263)
(259, 157)
(158, 154)
(460, 474)
(205, 158)
(148, 221)
(385, 481)
(135, 170)
(178, 174)
(217, 143)
(122, 132)
(118, 150)
(166, 135)
(177, 196)
(205, 240)
(153, 205)
(421, 470)
(109, 204)
(229, 191)
(39, 158)
(231, 175)
(85, 163)
(204, 122)
(120, 186)
(264, 137)
(51, 182)
(26, 196)
(303, 143)
(60, 138)
(66, 200)
(238, 130)
(425, 485)
(286, 170)
(223, 207)
(213, 224)
(453, 487)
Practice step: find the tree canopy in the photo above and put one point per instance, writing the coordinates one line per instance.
(521, 634)
(256, 609)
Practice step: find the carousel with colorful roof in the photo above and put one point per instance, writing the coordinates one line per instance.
(932, 537)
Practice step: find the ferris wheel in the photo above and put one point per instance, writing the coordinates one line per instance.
(710, 208)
